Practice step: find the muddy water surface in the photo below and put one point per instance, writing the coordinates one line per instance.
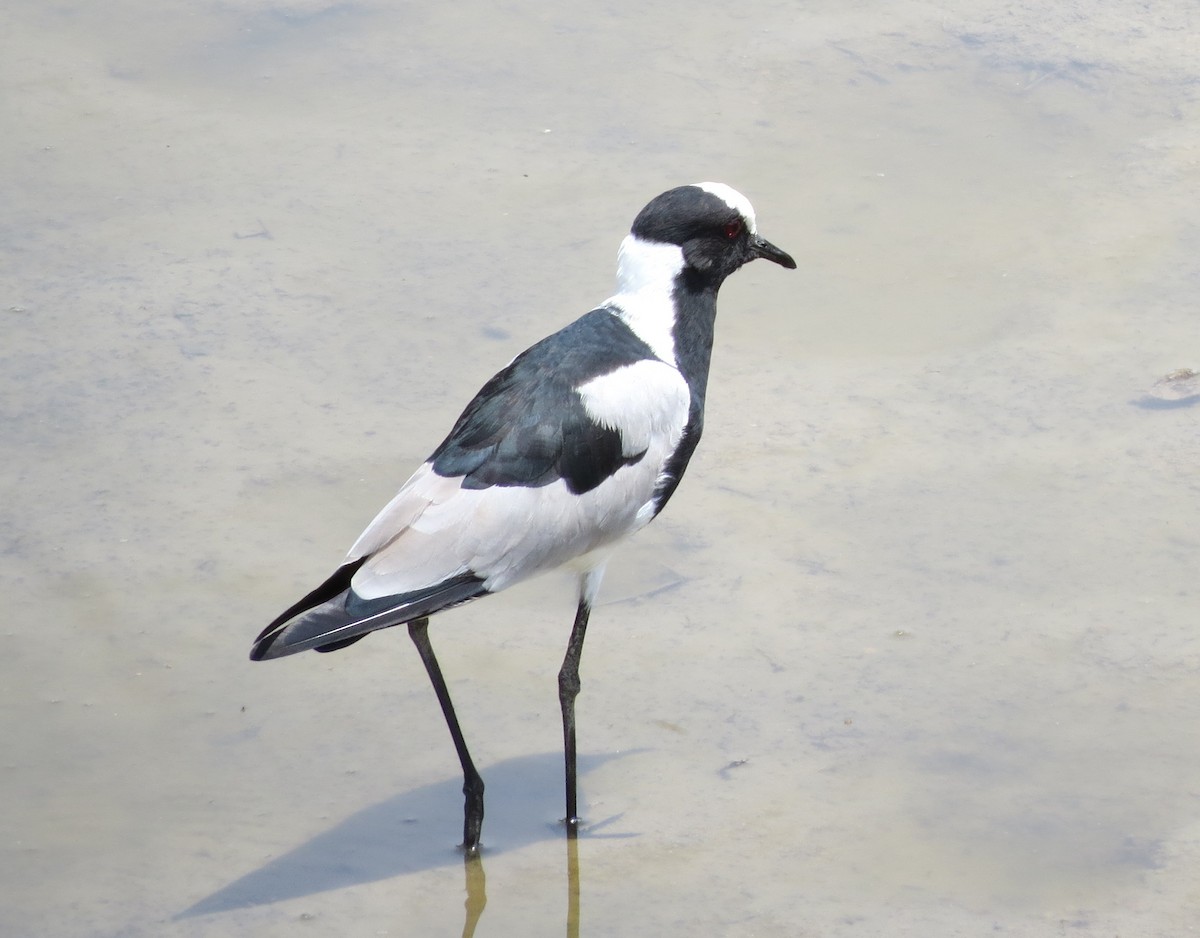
(913, 651)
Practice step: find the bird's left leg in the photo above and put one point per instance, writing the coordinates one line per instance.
(418, 631)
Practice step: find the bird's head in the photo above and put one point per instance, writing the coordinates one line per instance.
(712, 224)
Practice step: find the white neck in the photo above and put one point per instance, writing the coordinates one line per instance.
(646, 272)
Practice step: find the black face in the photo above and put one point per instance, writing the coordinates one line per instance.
(715, 238)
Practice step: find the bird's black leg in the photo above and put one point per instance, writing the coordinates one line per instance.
(568, 690)
(418, 631)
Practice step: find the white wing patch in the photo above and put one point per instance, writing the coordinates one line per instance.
(435, 529)
(645, 401)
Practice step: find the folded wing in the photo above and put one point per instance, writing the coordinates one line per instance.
(559, 455)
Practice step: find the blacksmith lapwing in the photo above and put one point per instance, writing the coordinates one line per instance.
(576, 444)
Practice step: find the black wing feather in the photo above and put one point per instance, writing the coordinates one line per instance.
(527, 426)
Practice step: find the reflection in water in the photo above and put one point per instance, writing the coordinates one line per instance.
(572, 883)
(476, 886)
(476, 891)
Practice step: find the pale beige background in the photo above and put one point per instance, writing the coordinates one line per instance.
(933, 574)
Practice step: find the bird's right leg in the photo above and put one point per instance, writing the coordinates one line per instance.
(568, 690)
(418, 631)
(568, 686)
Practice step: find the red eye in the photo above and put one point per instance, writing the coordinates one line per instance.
(733, 229)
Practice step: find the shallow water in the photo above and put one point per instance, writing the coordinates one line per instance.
(913, 650)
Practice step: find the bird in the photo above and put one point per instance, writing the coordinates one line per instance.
(578, 443)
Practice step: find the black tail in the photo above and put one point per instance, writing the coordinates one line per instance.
(333, 616)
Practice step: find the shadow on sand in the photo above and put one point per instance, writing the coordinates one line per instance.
(410, 832)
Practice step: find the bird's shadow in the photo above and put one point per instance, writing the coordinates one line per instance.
(411, 832)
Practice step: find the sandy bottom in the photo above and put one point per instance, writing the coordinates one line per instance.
(914, 651)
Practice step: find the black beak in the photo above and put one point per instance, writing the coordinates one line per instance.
(761, 247)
